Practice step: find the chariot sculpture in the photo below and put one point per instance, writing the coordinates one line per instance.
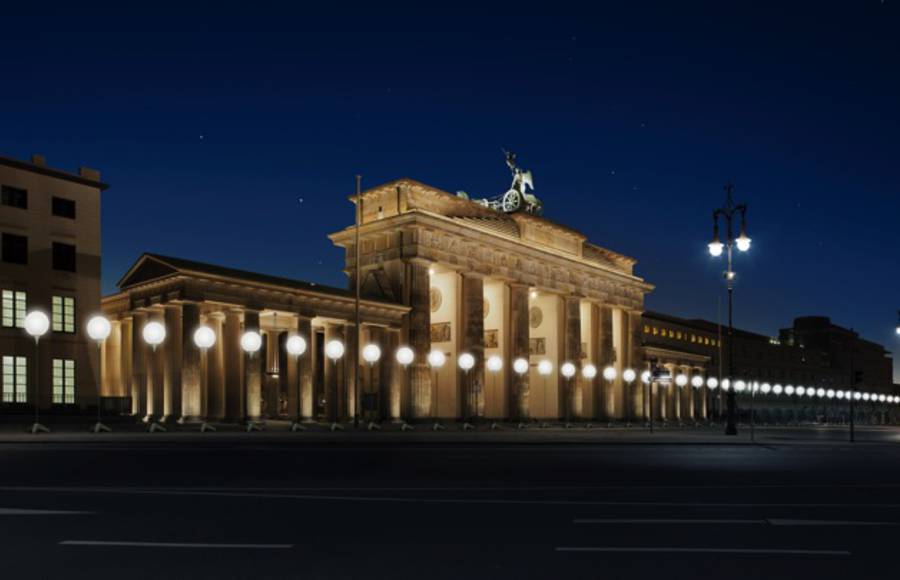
(518, 197)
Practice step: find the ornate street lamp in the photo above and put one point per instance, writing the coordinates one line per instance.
(729, 213)
(36, 325)
(296, 346)
(98, 329)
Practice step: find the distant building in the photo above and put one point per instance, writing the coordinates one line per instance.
(50, 229)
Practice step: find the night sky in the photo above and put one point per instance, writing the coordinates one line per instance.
(231, 133)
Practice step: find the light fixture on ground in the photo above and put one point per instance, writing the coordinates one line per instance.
(436, 360)
(405, 356)
(204, 339)
(494, 364)
(36, 325)
(154, 334)
(371, 353)
(334, 351)
(568, 371)
(467, 362)
(251, 342)
(729, 213)
(296, 347)
(98, 329)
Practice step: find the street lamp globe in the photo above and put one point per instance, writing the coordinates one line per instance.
(820, 392)
(789, 390)
(857, 396)
(334, 349)
(568, 370)
(154, 334)
(204, 337)
(494, 364)
(866, 396)
(777, 389)
(629, 375)
(609, 373)
(98, 328)
(405, 355)
(712, 383)
(520, 365)
(466, 361)
(739, 386)
(715, 248)
(765, 388)
(829, 393)
(251, 341)
(881, 398)
(436, 359)
(645, 377)
(589, 371)
(545, 367)
(681, 380)
(296, 345)
(800, 390)
(696, 381)
(371, 353)
(37, 324)
(743, 242)
(726, 384)
(811, 392)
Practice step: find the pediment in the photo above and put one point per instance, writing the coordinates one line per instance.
(145, 269)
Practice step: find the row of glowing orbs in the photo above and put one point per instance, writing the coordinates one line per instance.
(37, 324)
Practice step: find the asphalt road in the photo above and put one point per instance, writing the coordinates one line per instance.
(797, 506)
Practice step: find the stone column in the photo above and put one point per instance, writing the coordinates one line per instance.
(519, 346)
(471, 340)
(418, 329)
(572, 352)
(253, 369)
(334, 372)
(393, 377)
(191, 379)
(233, 366)
(304, 369)
(607, 357)
(351, 371)
(173, 355)
(215, 370)
(138, 366)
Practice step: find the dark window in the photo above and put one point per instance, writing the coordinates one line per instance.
(63, 257)
(14, 196)
(64, 207)
(15, 249)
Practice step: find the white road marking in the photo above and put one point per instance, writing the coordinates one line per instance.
(784, 522)
(27, 512)
(760, 551)
(116, 543)
(665, 521)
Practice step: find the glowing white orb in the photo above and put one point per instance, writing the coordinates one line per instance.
(494, 364)
(589, 371)
(98, 328)
(334, 349)
(712, 383)
(567, 370)
(629, 375)
(520, 365)
(436, 359)
(371, 353)
(609, 373)
(296, 345)
(545, 367)
(154, 333)
(681, 380)
(204, 337)
(466, 361)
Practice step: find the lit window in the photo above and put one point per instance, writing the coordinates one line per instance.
(63, 315)
(13, 309)
(63, 381)
(646, 329)
(655, 331)
(15, 379)
(678, 335)
(693, 338)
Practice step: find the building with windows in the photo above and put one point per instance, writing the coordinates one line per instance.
(439, 272)
(49, 260)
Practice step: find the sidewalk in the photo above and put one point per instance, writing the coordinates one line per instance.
(126, 430)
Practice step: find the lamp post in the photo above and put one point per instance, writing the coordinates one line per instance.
(204, 339)
(609, 374)
(494, 364)
(251, 342)
(371, 353)
(405, 356)
(712, 383)
(466, 361)
(334, 350)
(545, 367)
(520, 367)
(729, 212)
(98, 329)
(697, 383)
(36, 325)
(568, 371)
(154, 333)
(628, 375)
(588, 371)
(646, 377)
(436, 360)
(296, 347)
